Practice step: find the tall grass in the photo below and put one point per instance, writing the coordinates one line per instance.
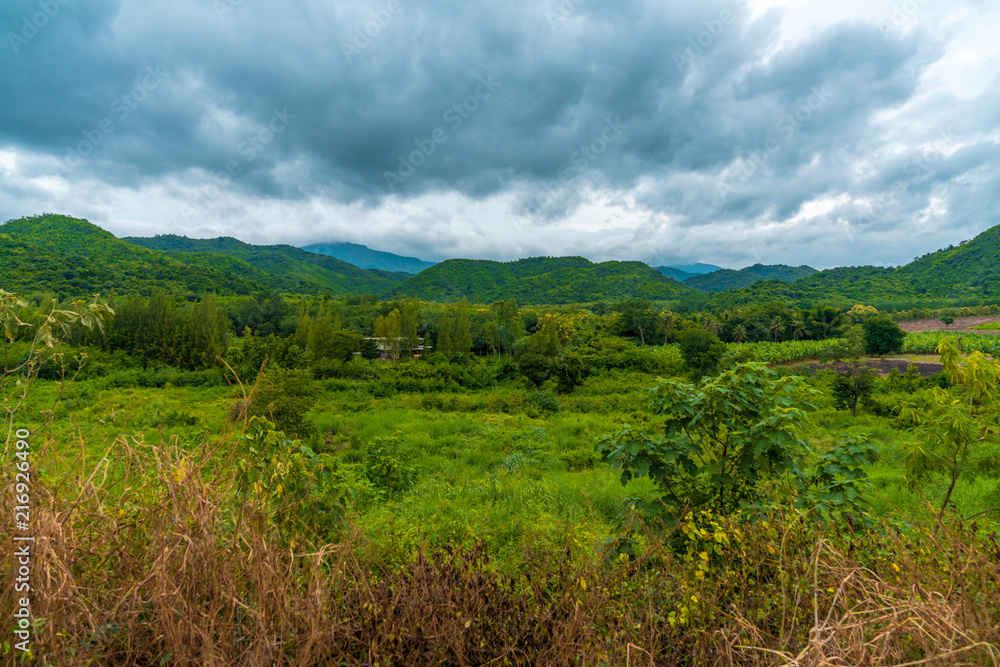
(157, 561)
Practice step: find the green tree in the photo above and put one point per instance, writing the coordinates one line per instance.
(882, 336)
(389, 331)
(571, 372)
(536, 368)
(551, 342)
(507, 327)
(959, 428)
(636, 319)
(860, 312)
(777, 327)
(369, 349)
(853, 385)
(948, 320)
(667, 321)
(343, 344)
(444, 345)
(799, 326)
(711, 324)
(727, 442)
(461, 339)
(303, 325)
(826, 322)
(701, 352)
(321, 331)
(409, 325)
(148, 330)
(203, 334)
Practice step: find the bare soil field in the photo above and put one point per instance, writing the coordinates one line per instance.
(883, 366)
(961, 325)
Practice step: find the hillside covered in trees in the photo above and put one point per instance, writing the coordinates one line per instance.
(69, 257)
(542, 280)
(73, 258)
(729, 279)
(290, 269)
(964, 274)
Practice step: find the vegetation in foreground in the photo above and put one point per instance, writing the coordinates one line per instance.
(455, 510)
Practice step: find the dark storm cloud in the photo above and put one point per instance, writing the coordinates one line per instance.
(557, 83)
(715, 123)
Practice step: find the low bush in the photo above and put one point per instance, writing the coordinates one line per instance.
(541, 401)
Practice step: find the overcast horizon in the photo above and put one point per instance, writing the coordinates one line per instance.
(730, 133)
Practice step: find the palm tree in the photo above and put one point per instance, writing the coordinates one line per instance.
(666, 325)
(826, 320)
(799, 327)
(777, 327)
(739, 333)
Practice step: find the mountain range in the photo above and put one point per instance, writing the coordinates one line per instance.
(69, 257)
(287, 268)
(542, 280)
(727, 279)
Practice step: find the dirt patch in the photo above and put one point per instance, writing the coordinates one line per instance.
(961, 325)
(883, 366)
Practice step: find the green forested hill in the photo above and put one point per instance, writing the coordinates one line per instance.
(841, 287)
(970, 269)
(728, 279)
(73, 258)
(542, 280)
(293, 269)
(967, 273)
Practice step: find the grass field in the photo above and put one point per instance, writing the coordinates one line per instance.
(496, 494)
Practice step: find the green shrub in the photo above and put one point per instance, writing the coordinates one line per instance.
(580, 459)
(541, 401)
(382, 389)
(387, 465)
(301, 493)
(727, 445)
(284, 396)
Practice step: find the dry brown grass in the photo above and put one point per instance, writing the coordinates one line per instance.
(153, 561)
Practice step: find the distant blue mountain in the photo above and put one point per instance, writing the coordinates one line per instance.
(685, 271)
(696, 269)
(365, 258)
(676, 274)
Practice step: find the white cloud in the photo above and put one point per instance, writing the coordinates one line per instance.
(652, 197)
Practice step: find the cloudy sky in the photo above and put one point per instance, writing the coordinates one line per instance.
(729, 132)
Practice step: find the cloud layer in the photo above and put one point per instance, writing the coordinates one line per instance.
(721, 131)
